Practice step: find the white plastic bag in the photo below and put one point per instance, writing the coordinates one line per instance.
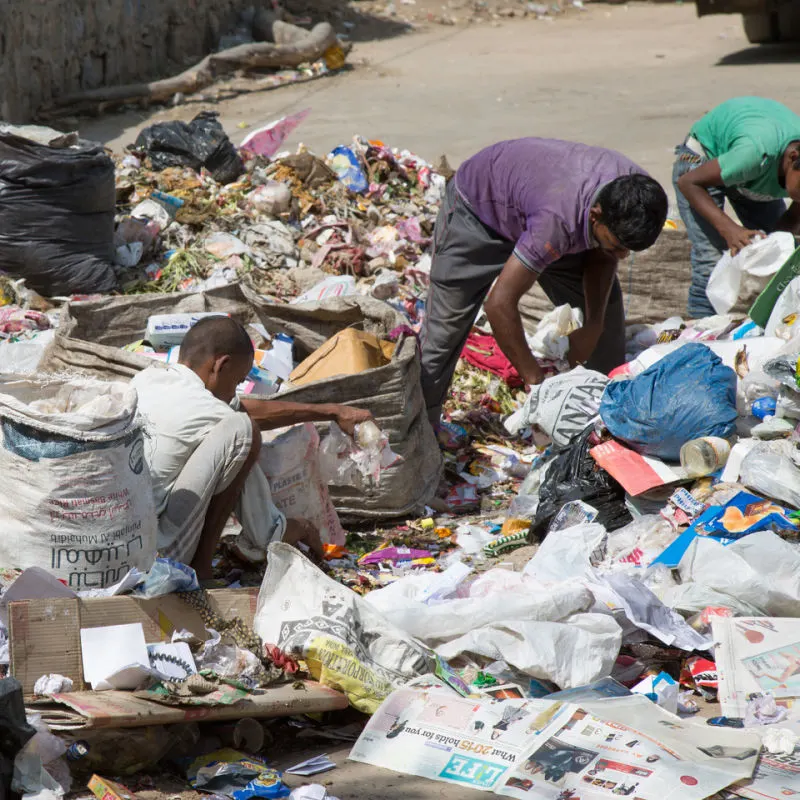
(783, 321)
(568, 554)
(290, 460)
(346, 643)
(359, 461)
(77, 497)
(770, 470)
(562, 406)
(547, 650)
(498, 596)
(759, 575)
(748, 271)
(550, 339)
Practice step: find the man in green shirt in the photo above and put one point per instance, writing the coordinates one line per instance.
(746, 150)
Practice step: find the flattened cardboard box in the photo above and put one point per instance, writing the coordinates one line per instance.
(44, 638)
(81, 710)
(45, 635)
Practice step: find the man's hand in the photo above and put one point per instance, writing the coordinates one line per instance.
(534, 375)
(737, 237)
(347, 418)
(582, 343)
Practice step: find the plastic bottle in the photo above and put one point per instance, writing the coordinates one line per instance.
(703, 456)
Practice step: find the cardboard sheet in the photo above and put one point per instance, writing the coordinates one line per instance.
(82, 710)
(44, 634)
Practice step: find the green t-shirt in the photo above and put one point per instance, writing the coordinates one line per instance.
(748, 136)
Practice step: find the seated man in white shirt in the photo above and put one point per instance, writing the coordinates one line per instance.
(204, 442)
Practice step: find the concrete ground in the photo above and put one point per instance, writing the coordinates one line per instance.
(632, 77)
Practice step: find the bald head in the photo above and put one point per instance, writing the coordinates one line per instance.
(220, 352)
(213, 337)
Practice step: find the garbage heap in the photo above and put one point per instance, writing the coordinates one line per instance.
(601, 598)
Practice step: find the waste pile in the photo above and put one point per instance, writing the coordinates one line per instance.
(599, 598)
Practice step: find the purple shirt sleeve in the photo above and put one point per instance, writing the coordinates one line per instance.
(544, 241)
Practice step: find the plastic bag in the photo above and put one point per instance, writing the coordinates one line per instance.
(574, 475)
(199, 143)
(772, 473)
(345, 642)
(550, 338)
(165, 577)
(753, 266)
(757, 576)
(546, 650)
(754, 386)
(290, 460)
(783, 321)
(688, 394)
(355, 461)
(227, 660)
(568, 554)
(57, 216)
(562, 406)
(496, 597)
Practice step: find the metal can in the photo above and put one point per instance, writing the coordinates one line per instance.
(77, 750)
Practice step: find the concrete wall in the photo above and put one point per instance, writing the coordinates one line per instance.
(54, 47)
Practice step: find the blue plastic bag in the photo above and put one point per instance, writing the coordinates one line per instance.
(167, 576)
(688, 394)
(345, 163)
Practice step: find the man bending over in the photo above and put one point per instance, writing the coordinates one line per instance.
(527, 211)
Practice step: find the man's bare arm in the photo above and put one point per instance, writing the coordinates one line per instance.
(693, 186)
(502, 310)
(270, 414)
(599, 271)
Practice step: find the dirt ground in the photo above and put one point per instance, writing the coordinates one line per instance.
(632, 77)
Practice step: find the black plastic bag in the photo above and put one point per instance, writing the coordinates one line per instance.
(574, 475)
(199, 143)
(57, 216)
(15, 730)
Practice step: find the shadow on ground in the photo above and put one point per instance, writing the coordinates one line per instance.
(788, 53)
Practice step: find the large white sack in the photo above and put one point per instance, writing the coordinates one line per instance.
(290, 460)
(757, 576)
(76, 498)
(562, 406)
(572, 653)
(346, 643)
(517, 598)
(749, 271)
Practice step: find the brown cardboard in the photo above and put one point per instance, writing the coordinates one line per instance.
(347, 353)
(81, 710)
(44, 635)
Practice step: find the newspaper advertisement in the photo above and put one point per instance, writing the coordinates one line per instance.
(629, 747)
(620, 747)
(777, 777)
(425, 729)
(755, 655)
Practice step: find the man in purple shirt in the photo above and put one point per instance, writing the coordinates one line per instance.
(531, 210)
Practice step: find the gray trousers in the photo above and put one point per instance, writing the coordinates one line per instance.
(467, 257)
(211, 468)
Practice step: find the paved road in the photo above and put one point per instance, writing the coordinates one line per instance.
(629, 77)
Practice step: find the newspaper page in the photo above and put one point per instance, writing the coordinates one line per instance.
(629, 747)
(777, 777)
(755, 655)
(607, 748)
(425, 729)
